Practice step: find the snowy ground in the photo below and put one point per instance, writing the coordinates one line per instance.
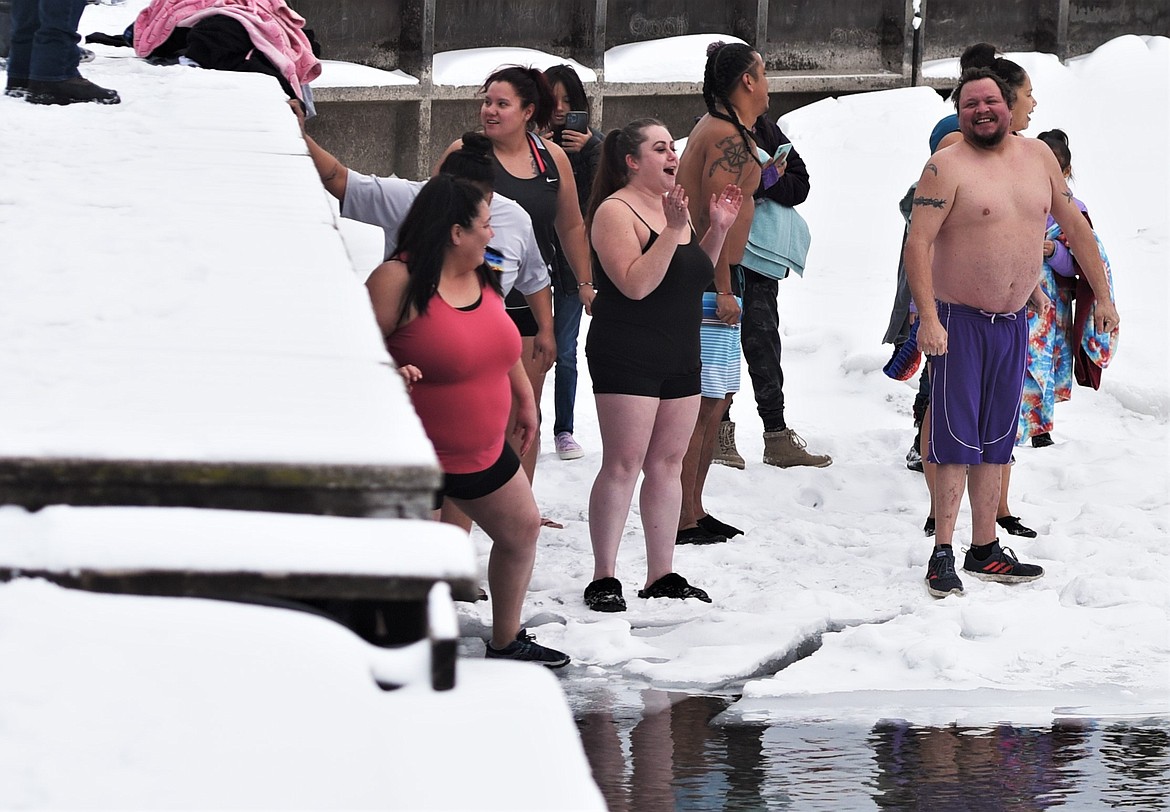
(842, 548)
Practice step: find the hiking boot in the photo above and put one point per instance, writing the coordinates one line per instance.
(718, 528)
(941, 579)
(605, 595)
(698, 535)
(525, 649)
(17, 87)
(726, 453)
(673, 585)
(1000, 565)
(70, 91)
(786, 449)
(1042, 440)
(1014, 528)
(567, 447)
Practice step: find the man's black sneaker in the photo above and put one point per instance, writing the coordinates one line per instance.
(605, 595)
(698, 535)
(70, 91)
(928, 528)
(941, 579)
(718, 528)
(1042, 440)
(1014, 528)
(673, 585)
(1001, 566)
(525, 649)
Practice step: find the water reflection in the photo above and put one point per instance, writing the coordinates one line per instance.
(653, 751)
(1000, 768)
(665, 755)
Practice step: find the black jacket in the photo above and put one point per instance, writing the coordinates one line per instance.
(792, 188)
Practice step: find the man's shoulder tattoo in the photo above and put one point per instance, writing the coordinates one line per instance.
(733, 156)
(935, 202)
(933, 169)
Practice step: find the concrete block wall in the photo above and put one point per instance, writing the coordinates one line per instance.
(812, 49)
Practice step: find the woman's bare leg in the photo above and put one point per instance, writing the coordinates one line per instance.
(509, 517)
(661, 495)
(626, 423)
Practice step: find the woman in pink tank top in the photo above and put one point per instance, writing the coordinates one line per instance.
(439, 308)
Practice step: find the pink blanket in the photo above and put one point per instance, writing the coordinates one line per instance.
(274, 28)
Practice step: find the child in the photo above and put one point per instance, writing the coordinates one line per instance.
(1053, 342)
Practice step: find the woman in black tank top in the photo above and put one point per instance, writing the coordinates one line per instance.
(643, 349)
(538, 176)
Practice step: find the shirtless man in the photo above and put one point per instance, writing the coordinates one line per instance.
(719, 152)
(973, 259)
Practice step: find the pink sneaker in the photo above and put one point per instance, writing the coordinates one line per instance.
(567, 447)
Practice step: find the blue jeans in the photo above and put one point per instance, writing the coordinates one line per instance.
(566, 325)
(760, 336)
(44, 39)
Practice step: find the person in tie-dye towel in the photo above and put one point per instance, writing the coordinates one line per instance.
(1051, 338)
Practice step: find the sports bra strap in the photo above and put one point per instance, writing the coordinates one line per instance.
(536, 147)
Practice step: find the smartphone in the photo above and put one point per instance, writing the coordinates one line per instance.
(781, 154)
(577, 120)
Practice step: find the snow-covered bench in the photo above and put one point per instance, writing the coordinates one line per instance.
(391, 580)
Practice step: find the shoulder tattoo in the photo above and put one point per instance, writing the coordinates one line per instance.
(933, 169)
(1068, 195)
(935, 202)
(733, 156)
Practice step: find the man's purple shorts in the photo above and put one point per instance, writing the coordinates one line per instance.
(975, 389)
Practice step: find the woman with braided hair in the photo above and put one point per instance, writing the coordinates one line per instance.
(720, 151)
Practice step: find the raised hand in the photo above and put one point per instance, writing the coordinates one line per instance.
(725, 206)
(674, 206)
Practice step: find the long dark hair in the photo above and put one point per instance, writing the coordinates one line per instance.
(565, 75)
(425, 236)
(472, 161)
(612, 171)
(982, 55)
(532, 88)
(1057, 141)
(726, 63)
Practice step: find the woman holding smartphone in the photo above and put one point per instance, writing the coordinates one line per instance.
(569, 127)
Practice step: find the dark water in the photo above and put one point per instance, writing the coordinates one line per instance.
(654, 751)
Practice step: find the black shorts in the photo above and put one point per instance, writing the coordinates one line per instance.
(616, 378)
(521, 313)
(480, 483)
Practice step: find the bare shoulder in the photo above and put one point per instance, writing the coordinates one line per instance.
(708, 132)
(390, 275)
(612, 211)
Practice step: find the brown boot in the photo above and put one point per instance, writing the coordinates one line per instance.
(726, 453)
(786, 449)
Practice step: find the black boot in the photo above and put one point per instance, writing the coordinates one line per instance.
(17, 87)
(70, 91)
